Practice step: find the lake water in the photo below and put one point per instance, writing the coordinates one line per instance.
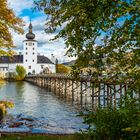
(47, 112)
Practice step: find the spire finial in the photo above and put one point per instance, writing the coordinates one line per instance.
(30, 35)
(30, 26)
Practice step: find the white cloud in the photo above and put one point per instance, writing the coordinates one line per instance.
(45, 46)
(20, 5)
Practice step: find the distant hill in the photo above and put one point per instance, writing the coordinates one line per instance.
(69, 63)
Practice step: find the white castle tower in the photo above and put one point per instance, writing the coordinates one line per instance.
(33, 63)
(30, 51)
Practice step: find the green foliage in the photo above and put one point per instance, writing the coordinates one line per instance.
(113, 24)
(21, 72)
(114, 124)
(87, 19)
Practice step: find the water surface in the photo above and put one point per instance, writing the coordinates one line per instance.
(50, 114)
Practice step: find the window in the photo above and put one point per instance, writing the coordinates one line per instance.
(33, 53)
(26, 48)
(3, 69)
(26, 53)
(26, 60)
(26, 43)
(42, 66)
(29, 67)
(33, 43)
(33, 48)
(33, 60)
(6, 69)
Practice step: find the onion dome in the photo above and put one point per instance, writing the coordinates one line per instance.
(30, 35)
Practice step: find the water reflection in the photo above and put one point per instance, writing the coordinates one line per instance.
(2, 83)
(20, 87)
(53, 115)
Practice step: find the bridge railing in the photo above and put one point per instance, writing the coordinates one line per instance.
(60, 75)
(88, 78)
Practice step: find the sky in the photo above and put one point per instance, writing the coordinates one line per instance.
(23, 9)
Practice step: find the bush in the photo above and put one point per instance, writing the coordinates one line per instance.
(3, 106)
(20, 72)
(114, 124)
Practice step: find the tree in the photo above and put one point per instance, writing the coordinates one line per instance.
(8, 22)
(60, 68)
(113, 23)
(21, 72)
(115, 26)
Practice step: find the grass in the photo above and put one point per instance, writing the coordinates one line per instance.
(42, 137)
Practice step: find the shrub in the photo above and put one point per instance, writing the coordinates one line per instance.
(20, 72)
(3, 106)
(114, 124)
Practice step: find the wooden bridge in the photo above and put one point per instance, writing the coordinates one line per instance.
(84, 91)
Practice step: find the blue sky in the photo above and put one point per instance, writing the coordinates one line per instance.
(23, 9)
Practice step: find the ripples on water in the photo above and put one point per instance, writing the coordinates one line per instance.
(51, 115)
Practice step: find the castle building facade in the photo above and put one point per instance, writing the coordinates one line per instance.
(29, 59)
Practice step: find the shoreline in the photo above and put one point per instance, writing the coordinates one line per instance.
(29, 133)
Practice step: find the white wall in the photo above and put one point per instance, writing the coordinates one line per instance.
(30, 55)
(29, 60)
(53, 58)
(5, 68)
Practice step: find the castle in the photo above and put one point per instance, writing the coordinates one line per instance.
(29, 59)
